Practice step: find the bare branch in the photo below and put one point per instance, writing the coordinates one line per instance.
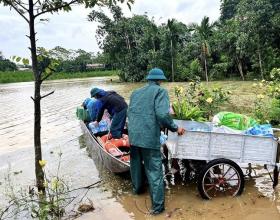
(56, 8)
(21, 5)
(16, 9)
(36, 2)
(32, 98)
(44, 96)
(6, 210)
(86, 187)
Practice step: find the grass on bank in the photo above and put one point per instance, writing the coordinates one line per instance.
(242, 97)
(27, 76)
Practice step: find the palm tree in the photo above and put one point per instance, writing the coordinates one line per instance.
(204, 31)
(172, 36)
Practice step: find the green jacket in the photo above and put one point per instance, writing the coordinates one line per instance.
(148, 111)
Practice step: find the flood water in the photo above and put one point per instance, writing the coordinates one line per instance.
(113, 198)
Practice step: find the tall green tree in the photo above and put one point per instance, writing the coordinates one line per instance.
(232, 43)
(60, 53)
(127, 42)
(254, 17)
(205, 30)
(172, 35)
(228, 9)
(6, 65)
(31, 11)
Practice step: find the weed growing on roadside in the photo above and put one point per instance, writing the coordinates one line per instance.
(31, 203)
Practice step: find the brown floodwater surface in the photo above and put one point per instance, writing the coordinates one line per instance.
(113, 198)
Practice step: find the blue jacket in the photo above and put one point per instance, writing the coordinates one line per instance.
(90, 105)
(111, 101)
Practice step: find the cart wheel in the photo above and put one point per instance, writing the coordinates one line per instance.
(220, 177)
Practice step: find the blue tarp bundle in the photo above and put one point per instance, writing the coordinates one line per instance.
(261, 130)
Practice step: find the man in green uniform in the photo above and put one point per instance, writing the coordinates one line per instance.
(148, 111)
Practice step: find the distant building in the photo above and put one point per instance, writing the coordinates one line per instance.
(22, 67)
(95, 66)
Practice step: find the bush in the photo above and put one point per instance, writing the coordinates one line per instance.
(219, 70)
(199, 103)
(195, 69)
(274, 112)
(275, 74)
(267, 102)
(7, 65)
(183, 109)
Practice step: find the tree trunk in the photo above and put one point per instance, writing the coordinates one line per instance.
(37, 102)
(128, 42)
(240, 69)
(205, 66)
(172, 60)
(204, 53)
(260, 61)
(154, 45)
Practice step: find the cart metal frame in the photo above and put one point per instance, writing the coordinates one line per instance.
(226, 149)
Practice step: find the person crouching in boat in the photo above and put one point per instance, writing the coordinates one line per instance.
(90, 105)
(116, 107)
(148, 111)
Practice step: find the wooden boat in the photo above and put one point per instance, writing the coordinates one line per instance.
(99, 153)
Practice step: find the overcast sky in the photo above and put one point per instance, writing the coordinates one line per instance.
(73, 31)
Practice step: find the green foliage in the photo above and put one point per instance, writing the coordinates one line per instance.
(191, 73)
(62, 60)
(199, 103)
(211, 100)
(25, 61)
(183, 109)
(228, 9)
(274, 112)
(260, 106)
(7, 65)
(136, 44)
(219, 70)
(195, 69)
(26, 76)
(275, 74)
(244, 42)
(267, 102)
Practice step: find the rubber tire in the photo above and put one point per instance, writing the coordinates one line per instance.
(212, 163)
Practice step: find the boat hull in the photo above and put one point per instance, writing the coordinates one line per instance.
(112, 163)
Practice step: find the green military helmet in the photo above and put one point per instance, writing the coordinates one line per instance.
(94, 91)
(156, 74)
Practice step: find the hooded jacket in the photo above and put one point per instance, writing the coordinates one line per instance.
(148, 111)
(111, 101)
(89, 104)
